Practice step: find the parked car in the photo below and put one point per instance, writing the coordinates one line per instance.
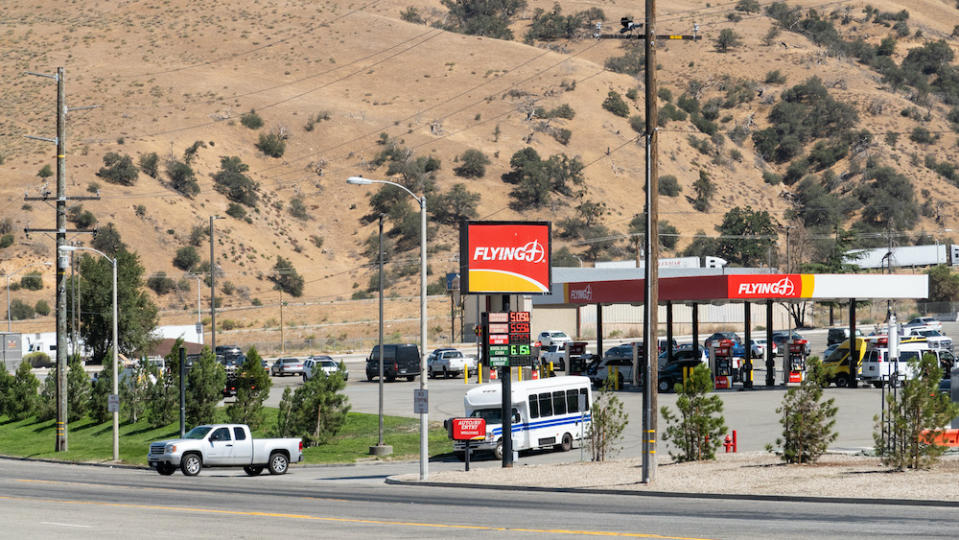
(549, 337)
(924, 321)
(762, 343)
(399, 360)
(839, 334)
(738, 349)
(671, 373)
(446, 362)
(323, 363)
(224, 445)
(287, 366)
(756, 349)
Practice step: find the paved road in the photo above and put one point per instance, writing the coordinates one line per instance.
(39, 500)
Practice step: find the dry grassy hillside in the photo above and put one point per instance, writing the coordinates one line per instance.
(165, 76)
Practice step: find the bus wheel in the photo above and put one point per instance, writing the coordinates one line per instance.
(498, 451)
(567, 443)
(842, 382)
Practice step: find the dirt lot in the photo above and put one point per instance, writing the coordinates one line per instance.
(756, 473)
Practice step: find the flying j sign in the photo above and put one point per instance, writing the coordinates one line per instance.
(505, 257)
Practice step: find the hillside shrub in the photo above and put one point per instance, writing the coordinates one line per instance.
(688, 103)
(118, 169)
(482, 18)
(921, 135)
(251, 120)
(32, 281)
(285, 277)
(42, 308)
(298, 208)
(6, 241)
(232, 181)
(553, 25)
(669, 186)
(727, 39)
(186, 258)
(632, 62)
(615, 104)
(161, 284)
(774, 77)
(83, 219)
(236, 211)
(272, 144)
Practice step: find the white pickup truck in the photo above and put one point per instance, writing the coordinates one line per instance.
(448, 362)
(224, 445)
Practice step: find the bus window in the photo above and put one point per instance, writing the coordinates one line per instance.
(585, 394)
(572, 402)
(559, 402)
(545, 405)
(533, 406)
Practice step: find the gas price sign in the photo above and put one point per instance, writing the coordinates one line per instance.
(507, 340)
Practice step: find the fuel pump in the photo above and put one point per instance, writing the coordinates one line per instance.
(797, 360)
(721, 358)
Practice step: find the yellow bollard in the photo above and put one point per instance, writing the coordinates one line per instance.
(466, 374)
(479, 373)
(519, 374)
(551, 372)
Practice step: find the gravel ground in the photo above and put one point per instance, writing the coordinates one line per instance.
(757, 473)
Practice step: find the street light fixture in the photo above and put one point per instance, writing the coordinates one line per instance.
(116, 345)
(424, 414)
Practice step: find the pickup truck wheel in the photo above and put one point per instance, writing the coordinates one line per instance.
(567, 443)
(410, 378)
(253, 470)
(166, 469)
(278, 463)
(842, 382)
(191, 465)
(664, 386)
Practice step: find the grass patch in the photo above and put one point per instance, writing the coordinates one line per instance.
(92, 442)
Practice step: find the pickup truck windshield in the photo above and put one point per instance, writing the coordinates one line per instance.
(197, 432)
(453, 354)
(493, 416)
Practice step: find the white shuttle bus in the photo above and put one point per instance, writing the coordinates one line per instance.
(546, 413)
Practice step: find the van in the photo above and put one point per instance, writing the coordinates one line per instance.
(836, 365)
(399, 360)
(877, 368)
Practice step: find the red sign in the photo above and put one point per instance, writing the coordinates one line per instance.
(505, 257)
(465, 429)
(765, 286)
(499, 339)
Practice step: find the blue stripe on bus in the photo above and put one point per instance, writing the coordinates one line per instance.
(552, 422)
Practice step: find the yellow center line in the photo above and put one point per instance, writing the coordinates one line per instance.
(348, 520)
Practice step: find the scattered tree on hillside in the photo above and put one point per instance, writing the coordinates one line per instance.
(472, 164)
(747, 236)
(489, 18)
(118, 169)
(232, 182)
(727, 39)
(149, 164)
(272, 144)
(107, 240)
(615, 104)
(704, 189)
(888, 200)
(251, 120)
(182, 177)
(286, 278)
(189, 155)
(186, 258)
(457, 204)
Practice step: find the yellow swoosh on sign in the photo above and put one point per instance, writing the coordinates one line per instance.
(500, 280)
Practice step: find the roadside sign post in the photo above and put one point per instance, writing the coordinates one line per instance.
(467, 429)
(113, 403)
(421, 402)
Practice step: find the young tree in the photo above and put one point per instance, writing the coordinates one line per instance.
(252, 388)
(163, 397)
(47, 403)
(697, 431)
(284, 420)
(204, 388)
(808, 422)
(6, 381)
(22, 397)
(318, 409)
(920, 407)
(609, 420)
(99, 410)
(78, 389)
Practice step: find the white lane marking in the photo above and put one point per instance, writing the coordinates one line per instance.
(65, 524)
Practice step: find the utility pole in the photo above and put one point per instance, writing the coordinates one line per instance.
(651, 250)
(212, 290)
(62, 260)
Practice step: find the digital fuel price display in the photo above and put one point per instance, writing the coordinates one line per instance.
(507, 340)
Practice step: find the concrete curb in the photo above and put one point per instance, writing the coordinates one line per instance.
(68, 462)
(682, 495)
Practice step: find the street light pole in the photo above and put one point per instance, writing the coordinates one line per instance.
(116, 345)
(424, 414)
